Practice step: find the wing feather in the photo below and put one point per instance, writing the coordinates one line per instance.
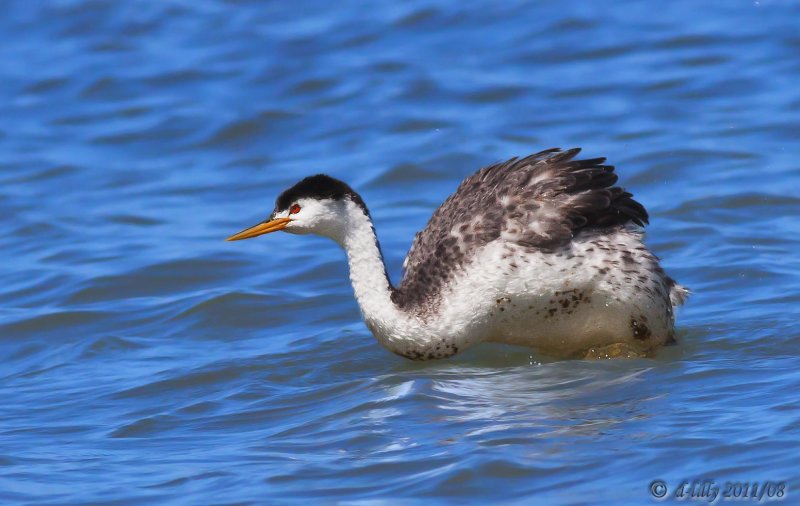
(539, 201)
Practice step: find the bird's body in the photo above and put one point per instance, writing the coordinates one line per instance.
(541, 252)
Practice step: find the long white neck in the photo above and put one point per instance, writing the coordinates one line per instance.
(395, 329)
(371, 284)
(402, 332)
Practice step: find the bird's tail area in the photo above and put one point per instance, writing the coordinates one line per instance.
(678, 293)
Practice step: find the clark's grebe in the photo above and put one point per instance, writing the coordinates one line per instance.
(541, 251)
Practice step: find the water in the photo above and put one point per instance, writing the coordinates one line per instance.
(147, 361)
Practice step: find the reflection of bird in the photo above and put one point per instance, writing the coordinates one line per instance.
(541, 251)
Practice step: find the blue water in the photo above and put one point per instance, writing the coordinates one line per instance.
(145, 360)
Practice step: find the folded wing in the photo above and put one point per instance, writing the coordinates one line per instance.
(540, 201)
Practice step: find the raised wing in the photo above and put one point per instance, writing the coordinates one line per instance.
(540, 201)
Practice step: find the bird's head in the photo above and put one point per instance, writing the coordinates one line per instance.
(316, 205)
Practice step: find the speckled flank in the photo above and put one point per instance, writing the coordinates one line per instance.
(566, 302)
(604, 285)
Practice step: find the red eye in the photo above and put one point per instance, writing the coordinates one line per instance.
(294, 209)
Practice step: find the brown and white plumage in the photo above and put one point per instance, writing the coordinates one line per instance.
(541, 251)
(539, 202)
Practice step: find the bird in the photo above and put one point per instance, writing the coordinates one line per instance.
(543, 251)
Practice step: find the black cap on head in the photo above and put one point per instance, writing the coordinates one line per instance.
(320, 187)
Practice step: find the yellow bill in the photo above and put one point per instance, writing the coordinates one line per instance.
(261, 229)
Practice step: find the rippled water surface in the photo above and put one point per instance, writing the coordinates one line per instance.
(144, 360)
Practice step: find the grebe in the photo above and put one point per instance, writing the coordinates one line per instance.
(541, 251)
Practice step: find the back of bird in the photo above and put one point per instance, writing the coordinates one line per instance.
(540, 201)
